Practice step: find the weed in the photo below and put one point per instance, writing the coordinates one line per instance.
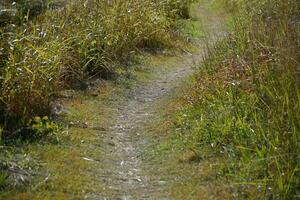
(61, 48)
(246, 103)
(50, 46)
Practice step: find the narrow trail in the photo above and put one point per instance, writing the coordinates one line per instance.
(127, 142)
(122, 172)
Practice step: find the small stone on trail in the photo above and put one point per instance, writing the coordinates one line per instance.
(99, 128)
(111, 143)
(88, 159)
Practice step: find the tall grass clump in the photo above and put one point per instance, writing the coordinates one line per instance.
(246, 102)
(44, 51)
(176, 8)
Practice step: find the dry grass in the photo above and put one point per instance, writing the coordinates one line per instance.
(62, 48)
(245, 105)
(43, 52)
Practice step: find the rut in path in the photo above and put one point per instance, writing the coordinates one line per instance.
(126, 139)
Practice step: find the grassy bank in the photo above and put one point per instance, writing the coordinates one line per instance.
(245, 104)
(64, 48)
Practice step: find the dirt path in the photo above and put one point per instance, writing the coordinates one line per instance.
(122, 172)
(126, 141)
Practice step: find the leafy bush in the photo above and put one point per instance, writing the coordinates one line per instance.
(246, 101)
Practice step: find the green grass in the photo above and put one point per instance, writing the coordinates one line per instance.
(88, 116)
(60, 49)
(53, 177)
(245, 104)
(44, 52)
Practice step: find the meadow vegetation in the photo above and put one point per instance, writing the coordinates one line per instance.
(245, 104)
(45, 51)
(48, 46)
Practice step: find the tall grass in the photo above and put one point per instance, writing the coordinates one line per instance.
(246, 103)
(63, 47)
